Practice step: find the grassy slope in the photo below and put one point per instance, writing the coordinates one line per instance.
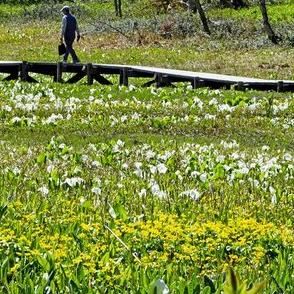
(38, 41)
(277, 13)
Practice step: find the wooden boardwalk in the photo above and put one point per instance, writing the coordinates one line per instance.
(159, 76)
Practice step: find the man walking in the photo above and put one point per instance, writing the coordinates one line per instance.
(68, 34)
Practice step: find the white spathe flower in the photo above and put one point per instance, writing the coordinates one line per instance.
(52, 119)
(193, 194)
(7, 108)
(138, 164)
(96, 190)
(135, 116)
(95, 164)
(179, 175)
(45, 276)
(162, 169)
(138, 172)
(15, 120)
(160, 287)
(143, 193)
(155, 189)
(288, 157)
(117, 147)
(209, 116)
(253, 106)
(225, 107)
(74, 181)
(244, 170)
(272, 190)
(85, 158)
(125, 166)
(16, 170)
(166, 155)
(203, 177)
(256, 183)
(198, 102)
(50, 168)
(131, 87)
(124, 118)
(150, 154)
(195, 174)
(44, 190)
(153, 169)
(213, 101)
(220, 158)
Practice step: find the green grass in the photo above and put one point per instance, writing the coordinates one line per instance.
(100, 197)
(38, 42)
(278, 13)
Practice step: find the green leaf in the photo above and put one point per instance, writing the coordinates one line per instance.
(219, 171)
(208, 282)
(233, 280)
(3, 209)
(121, 211)
(43, 263)
(256, 288)
(206, 290)
(42, 158)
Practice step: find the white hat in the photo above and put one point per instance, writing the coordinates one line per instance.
(65, 8)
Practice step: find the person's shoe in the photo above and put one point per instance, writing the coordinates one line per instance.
(76, 61)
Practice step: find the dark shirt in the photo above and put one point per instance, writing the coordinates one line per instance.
(69, 27)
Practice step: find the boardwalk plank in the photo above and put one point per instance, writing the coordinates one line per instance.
(197, 79)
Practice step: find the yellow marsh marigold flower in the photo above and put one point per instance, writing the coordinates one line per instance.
(15, 268)
(258, 254)
(45, 245)
(188, 249)
(86, 227)
(34, 253)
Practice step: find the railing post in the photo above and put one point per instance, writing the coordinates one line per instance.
(90, 78)
(124, 77)
(59, 72)
(240, 86)
(159, 80)
(280, 86)
(24, 71)
(195, 83)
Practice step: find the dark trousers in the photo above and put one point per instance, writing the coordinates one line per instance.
(70, 50)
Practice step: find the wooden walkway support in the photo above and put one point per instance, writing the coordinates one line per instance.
(160, 77)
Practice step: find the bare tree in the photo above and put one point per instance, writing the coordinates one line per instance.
(194, 6)
(236, 4)
(118, 9)
(266, 24)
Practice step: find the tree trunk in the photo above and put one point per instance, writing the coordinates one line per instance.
(270, 33)
(225, 3)
(117, 6)
(202, 16)
(239, 4)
